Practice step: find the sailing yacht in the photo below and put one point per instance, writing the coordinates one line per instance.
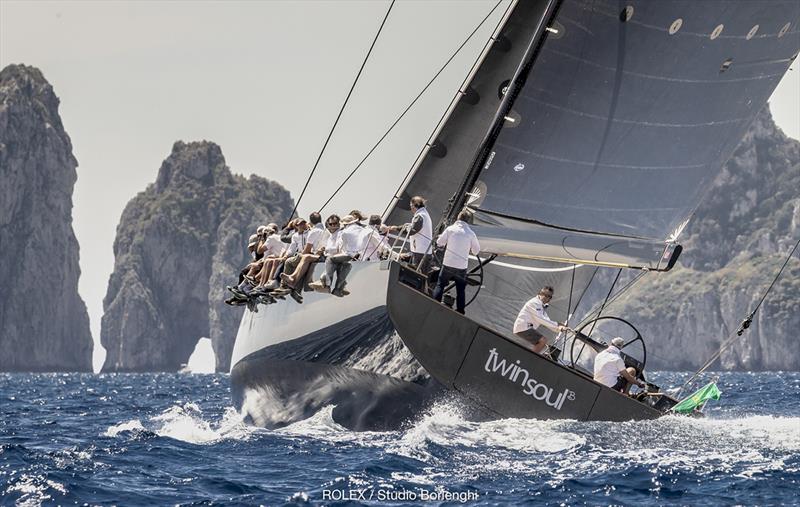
(582, 142)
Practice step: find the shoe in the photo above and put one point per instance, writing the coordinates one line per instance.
(266, 299)
(337, 292)
(296, 296)
(345, 292)
(273, 284)
(237, 293)
(319, 287)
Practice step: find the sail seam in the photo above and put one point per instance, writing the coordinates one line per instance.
(592, 164)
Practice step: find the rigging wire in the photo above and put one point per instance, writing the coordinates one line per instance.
(358, 166)
(605, 301)
(742, 327)
(445, 115)
(610, 300)
(338, 117)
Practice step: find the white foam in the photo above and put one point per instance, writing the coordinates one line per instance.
(186, 423)
(445, 426)
(132, 425)
(772, 431)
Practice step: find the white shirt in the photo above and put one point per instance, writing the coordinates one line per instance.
(460, 241)
(331, 245)
(532, 315)
(422, 239)
(274, 246)
(298, 242)
(316, 237)
(607, 366)
(374, 244)
(351, 240)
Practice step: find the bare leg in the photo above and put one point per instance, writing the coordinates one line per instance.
(632, 371)
(301, 268)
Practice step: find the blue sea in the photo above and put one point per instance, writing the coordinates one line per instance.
(171, 439)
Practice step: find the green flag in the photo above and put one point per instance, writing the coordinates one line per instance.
(697, 398)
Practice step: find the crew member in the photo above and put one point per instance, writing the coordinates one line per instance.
(610, 370)
(532, 316)
(349, 245)
(420, 232)
(460, 241)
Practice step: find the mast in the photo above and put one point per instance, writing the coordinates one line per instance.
(518, 80)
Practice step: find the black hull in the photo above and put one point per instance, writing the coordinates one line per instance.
(495, 372)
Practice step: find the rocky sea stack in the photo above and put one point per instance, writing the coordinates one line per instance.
(178, 244)
(44, 325)
(734, 246)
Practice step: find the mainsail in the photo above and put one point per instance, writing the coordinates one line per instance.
(629, 111)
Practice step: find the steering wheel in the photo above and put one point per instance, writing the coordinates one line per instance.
(602, 330)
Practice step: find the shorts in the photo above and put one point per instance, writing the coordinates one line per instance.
(621, 384)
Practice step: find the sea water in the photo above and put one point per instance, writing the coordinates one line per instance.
(166, 439)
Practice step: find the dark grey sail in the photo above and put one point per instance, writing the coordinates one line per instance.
(602, 153)
(628, 114)
(629, 111)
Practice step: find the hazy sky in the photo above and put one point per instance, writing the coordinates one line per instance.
(264, 80)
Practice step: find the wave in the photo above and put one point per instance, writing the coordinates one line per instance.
(34, 489)
(187, 424)
(445, 443)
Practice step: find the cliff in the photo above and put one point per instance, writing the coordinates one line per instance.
(44, 325)
(734, 246)
(178, 244)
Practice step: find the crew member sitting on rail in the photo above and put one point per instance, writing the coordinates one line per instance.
(375, 244)
(610, 370)
(532, 316)
(316, 243)
(349, 246)
(269, 278)
(273, 249)
(299, 246)
(329, 252)
(460, 241)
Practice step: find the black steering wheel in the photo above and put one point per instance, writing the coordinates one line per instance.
(601, 331)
